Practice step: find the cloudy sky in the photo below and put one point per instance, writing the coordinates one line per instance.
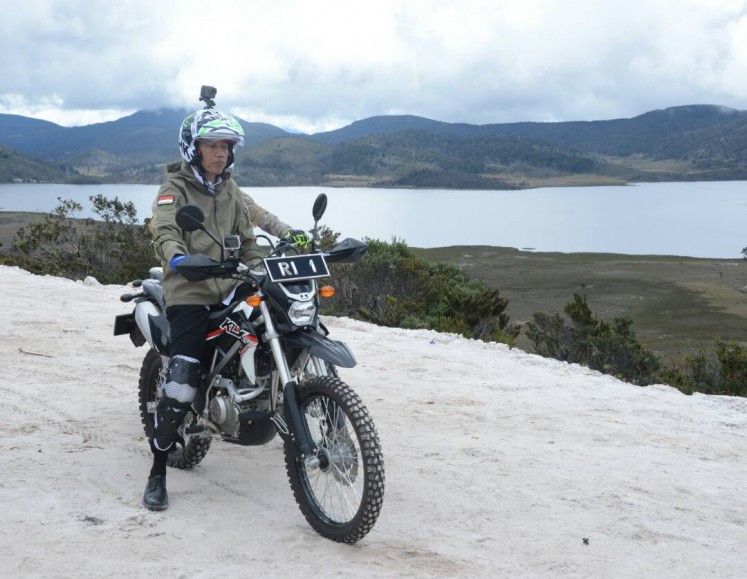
(314, 65)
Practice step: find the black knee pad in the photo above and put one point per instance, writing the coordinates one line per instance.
(183, 371)
(168, 419)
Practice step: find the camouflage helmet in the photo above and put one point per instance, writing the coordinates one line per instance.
(208, 125)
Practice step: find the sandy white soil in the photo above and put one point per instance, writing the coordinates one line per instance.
(498, 463)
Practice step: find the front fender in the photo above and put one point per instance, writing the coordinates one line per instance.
(321, 346)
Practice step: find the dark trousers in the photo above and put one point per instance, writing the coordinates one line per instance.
(188, 326)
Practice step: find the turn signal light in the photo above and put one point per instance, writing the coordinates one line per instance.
(326, 291)
(253, 300)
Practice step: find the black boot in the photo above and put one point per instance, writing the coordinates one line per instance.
(156, 498)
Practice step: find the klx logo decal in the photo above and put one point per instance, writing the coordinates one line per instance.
(233, 329)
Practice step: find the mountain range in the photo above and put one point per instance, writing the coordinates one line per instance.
(693, 142)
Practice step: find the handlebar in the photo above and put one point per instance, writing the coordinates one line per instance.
(280, 247)
(201, 267)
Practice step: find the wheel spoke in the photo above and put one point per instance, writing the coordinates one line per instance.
(337, 489)
(341, 495)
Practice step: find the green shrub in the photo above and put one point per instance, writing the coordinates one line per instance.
(719, 368)
(392, 287)
(609, 348)
(733, 368)
(114, 250)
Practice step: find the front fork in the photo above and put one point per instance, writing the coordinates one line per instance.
(294, 425)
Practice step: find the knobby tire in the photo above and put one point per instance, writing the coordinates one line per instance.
(341, 501)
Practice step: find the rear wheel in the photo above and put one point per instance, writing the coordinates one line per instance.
(342, 497)
(151, 377)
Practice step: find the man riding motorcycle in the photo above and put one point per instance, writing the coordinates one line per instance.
(207, 142)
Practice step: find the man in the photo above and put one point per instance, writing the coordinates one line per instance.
(207, 141)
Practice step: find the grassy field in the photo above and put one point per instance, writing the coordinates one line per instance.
(11, 221)
(676, 302)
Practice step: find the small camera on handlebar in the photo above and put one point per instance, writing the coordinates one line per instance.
(231, 248)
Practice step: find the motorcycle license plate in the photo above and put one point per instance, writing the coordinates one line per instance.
(296, 267)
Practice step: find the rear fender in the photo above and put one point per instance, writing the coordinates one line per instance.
(159, 330)
(153, 325)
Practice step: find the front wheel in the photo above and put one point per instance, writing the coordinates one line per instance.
(342, 497)
(151, 377)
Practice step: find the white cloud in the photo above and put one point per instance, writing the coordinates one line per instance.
(329, 62)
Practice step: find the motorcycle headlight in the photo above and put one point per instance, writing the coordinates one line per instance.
(302, 313)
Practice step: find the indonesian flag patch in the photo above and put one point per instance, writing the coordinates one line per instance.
(166, 200)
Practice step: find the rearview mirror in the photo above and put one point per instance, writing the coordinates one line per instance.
(320, 206)
(190, 218)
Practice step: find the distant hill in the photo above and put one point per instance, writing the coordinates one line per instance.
(283, 161)
(144, 132)
(17, 129)
(719, 146)
(678, 143)
(383, 125)
(18, 168)
(646, 134)
(413, 158)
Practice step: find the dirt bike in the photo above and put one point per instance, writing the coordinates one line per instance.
(272, 370)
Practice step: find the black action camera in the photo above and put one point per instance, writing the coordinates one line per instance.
(231, 248)
(207, 94)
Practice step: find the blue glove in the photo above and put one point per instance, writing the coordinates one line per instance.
(175, 261)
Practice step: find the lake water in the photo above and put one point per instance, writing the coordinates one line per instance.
(701, 219)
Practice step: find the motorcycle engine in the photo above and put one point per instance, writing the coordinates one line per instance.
(225, 413)
(230, 400)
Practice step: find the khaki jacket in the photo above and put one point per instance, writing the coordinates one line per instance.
(225, 213)
(265, 220)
